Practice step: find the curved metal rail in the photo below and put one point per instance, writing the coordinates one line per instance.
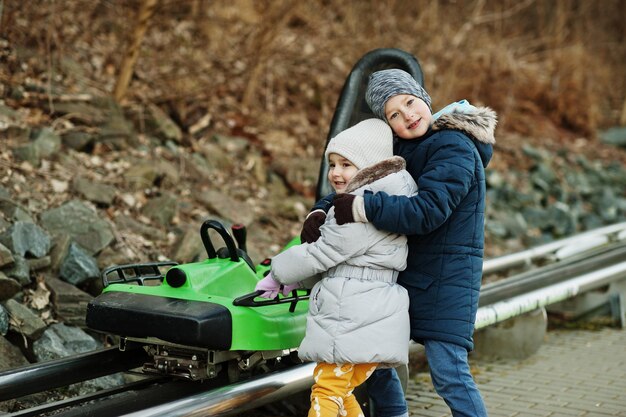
(239, 397)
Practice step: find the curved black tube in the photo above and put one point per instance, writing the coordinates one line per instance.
(208, 245)
(351, 106)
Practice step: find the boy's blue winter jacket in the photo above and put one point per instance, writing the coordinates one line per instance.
(444, 222)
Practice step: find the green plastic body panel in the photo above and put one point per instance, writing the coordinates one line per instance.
(220, 281)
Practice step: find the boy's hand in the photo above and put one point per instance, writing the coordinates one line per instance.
(269, 285)
(343, 208)
(311, 227)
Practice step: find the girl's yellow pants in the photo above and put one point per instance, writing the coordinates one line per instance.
(331, 394)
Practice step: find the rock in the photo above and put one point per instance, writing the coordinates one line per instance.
(290, 208)
(60, 248)
(159, 124)
(145, 174)
(222, 204)
(14, 211)
(161, 209)
(614, 136)
(300, 175)
(47, 142)
(535, 217)
(80, 112)
(28, 153)
(6, 257)
(562, 220)
(79, 221)
(19, 133)
(4, 320)
(78, 140)
(188, 247)
(70, 303)
(99, 384)
(36, 264)
(10, 355)
(24, 320)
(210, 158)
(113, 256)
(8, 116)
(127, 223)
(25, 237)
(606, 205)
(78, 266)
(234, 145)
(95, 192)
(59, 341)
(8, 287)
(141, 175)
(20, 270)
(116, 132)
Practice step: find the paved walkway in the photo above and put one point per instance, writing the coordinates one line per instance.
(574, 373)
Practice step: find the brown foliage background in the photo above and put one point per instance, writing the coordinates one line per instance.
(257, 66)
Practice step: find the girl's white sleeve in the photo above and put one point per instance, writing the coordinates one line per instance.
(336, 244)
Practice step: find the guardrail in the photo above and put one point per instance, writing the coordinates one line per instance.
(559, 249)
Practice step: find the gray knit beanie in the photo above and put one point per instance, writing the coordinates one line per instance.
(385, 84)
(363, 144)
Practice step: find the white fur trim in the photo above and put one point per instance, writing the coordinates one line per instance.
(358, 209)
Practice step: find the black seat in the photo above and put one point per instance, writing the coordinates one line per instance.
(192, 323)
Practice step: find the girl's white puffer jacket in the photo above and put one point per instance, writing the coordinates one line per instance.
(357, 312)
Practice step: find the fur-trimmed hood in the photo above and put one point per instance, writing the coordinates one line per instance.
(479, 122)
(375, 172)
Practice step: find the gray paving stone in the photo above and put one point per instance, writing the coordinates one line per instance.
(560, 410)
(593, 410)
(520, 411)
(575, 373)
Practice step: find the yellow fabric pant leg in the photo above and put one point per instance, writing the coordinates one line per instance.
(331, 394)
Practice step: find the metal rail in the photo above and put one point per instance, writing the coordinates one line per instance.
(506, 309)
(551, 274)
(239, 397)
(78, 402)
(559, 249)
(65, 371)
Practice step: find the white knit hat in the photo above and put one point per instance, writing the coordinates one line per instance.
(363, 144)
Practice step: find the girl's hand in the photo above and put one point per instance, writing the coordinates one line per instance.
(269, 285)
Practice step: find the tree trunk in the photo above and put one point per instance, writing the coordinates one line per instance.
(146, 10)
(277, 17)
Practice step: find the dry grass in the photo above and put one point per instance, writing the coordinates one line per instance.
(550, 68)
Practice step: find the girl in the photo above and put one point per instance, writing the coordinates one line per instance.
(358, 315)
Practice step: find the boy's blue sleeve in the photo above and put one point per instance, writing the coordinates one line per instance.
(325, 203)
(443, 183)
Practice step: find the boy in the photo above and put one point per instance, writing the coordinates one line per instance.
(447, 156)
(358, 316)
